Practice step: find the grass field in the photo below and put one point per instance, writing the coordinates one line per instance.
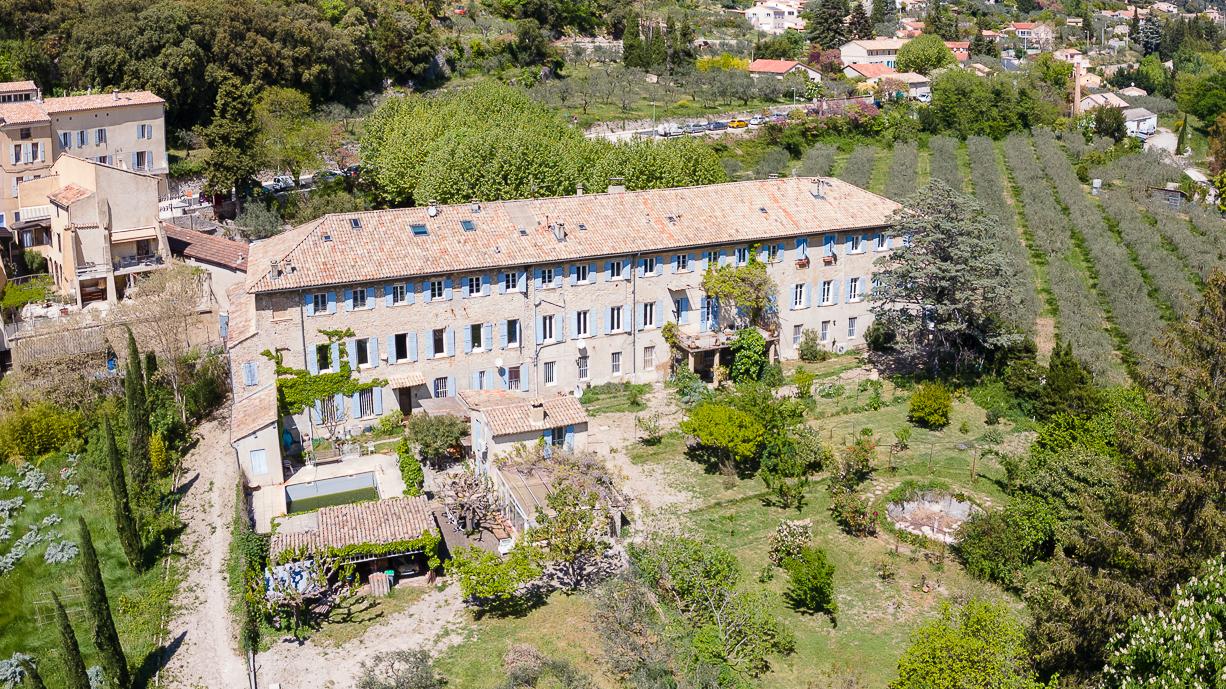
(876, 615)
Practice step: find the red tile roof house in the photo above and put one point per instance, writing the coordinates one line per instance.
(960, 49)
(868, 71)
(781, 68)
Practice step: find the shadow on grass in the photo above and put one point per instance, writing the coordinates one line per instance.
(155, 661)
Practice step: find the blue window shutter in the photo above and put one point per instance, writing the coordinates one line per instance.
(662, 312)
(802, 247)
(249, 373)
(638, 316)
(408, 292)
(502, 283)
(336, 356)
(570, 438)
(372, 347)
(451, 391)
(309, 304)
(312, 359)
(485, 285)
(502, 334)
(425, 291)
(573, 275)
(429, 338)
(828, 245)
(715, 312)
(331, 302)
(351, 350)
(574, 323)
(608, 270)
(608, 319)
(808, 295)
(355, 406)
(475, 380)
(704, 315)
(348, 300)
(370, 296)
(487, 336)
(722, 256)
(387, 295)
(834, 288)
(592, 275)
(523, 380)
(463, 287)
(642, 267)
(391, 349)
(685, 310)
(378, 395)
(468, 340)
(675, 264)
(447, 288)
(887, 241)
(779, 250)
(412, 346)
(559, 325)
(317, 412)
(521, 285)
(558, 273)
(847, 244)
(540, 329)
(449, 341)
(537, 279)
(702, 262)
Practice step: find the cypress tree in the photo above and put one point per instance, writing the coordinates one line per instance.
(32, 679)
(138, 419)
(125, 523)
(75, 674)
(1069, 387)
(858, 26)
(878, 14)
(632, 42)
(106, 639)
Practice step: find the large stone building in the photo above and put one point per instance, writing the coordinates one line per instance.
(545, 295)
(126, 130)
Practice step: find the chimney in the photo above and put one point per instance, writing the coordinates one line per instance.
(114, 94)
(476, 205)
(559, 231)
(617, 185)
(579, 189)
(536, 413)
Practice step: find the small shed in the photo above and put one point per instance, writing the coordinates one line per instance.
(1171, 195)
(778, 69)
(502, 419)
(1140, 122)
(254, 436)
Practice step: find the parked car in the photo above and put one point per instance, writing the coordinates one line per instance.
(778, 117)
(695, 128)
(669, 129)
(279, 184)
(737, 124)
(717, 126)
(757, 120)
(325, 176)
(353, 171)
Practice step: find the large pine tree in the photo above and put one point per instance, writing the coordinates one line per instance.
(824, 22)
(138, 419)
(858, 25)
(125, 522)
(632, 42)
(75, 675)
(879, 12)
(1127, 555)
(106, 639)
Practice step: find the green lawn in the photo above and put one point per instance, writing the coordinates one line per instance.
(139, 602)
(876, 616)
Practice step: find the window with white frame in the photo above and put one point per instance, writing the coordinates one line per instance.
(649, 266)
(798, 296)
(857, 244)
(65, 142)
(615, 363)
(616, 270)
(436, 289)
(510, 281)
(481, 380)
(649, 357)
(362, 347)
(615, 319)
(825, 331)
(683, 262)
(772, 253)
(513, 332)
(853, 290)
(439, 338)
(359, 298)
(547, 328)
(649, 314)
(474, 332)
(550, 373)
(366, 403)
(712, 259)
(546, 277)
(851, 327)
(474, 285)
(319, 302)
(742, 255)
(827, 291)
(581, 274)
(323, 357)
(581, 324)
(440, 387)
(797, 333)
(100, 135)
(583, 372)
(142, 159)
(400, 294)
(400, 346)
(82, 138)
(880, 242)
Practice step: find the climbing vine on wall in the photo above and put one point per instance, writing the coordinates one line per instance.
(299, 389)
(748, 288)
(427, 543)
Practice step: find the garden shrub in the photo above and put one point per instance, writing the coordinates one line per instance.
(811, 349)
(998, 545)
(30, 431)
(931, 406)
(855, 464)
(850, 512)
(812, 586)
(391, 424)
(789, 538)
(803, 379)
(410, 468)
(748, 348)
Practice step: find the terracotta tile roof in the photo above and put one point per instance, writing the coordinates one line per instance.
(385, 521)
(330, 251)
(512, 415)
(772, 66)
(1022, 25)
(253, 412)
(68, 195)
(870, 70)
(208, 248)
(98, 101)
(22, 113)
(242, 315)
(910, 78)
(880, 43)
(17, 86)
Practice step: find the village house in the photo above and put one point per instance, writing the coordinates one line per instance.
(122, 129)
(779, 69)
(871, 73)
(1140, 122)
(775, 17)
(544, 296)
(876, 51)
(1032, 34)
(224, 259)
(1102, 100)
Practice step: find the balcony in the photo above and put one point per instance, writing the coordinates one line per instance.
(131, 264)
(92, 270)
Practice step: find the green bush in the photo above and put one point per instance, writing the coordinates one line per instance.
(410, 469)
(391, 424)
(931, 406)
(998, 545)
(803, 379)
(35, 263)
(34, 430)
(812, 586)
(811, 348)
(850, 512)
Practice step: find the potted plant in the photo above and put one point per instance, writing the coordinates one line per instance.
(802, 262)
